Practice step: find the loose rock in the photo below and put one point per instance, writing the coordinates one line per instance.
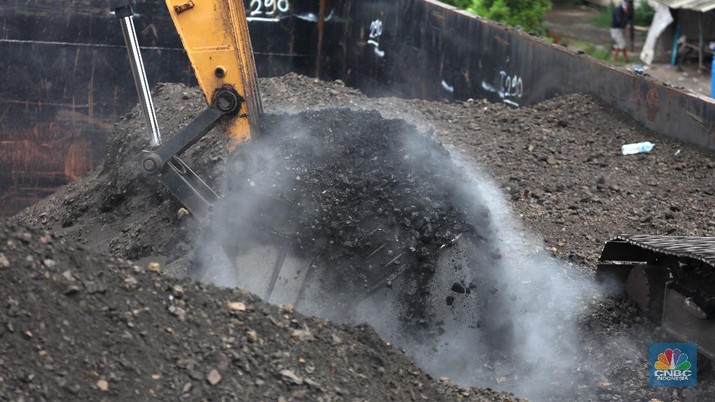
(213, 377)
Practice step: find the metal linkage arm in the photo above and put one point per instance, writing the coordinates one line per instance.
(175, 175)
(186, 185)
(226, 102)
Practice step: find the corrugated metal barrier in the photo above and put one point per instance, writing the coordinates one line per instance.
(67, 78)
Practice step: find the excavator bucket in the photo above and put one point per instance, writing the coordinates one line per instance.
(260, 253)
(337, 212)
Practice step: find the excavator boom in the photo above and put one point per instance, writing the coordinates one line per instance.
(215, 36)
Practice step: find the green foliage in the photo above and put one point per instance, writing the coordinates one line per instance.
(528, 14)
(596, 51)
(463, 4)
(644, 14)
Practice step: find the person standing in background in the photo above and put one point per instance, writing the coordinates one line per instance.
(621, 20)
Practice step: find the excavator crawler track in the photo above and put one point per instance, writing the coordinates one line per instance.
(671, 279)
(647, 247)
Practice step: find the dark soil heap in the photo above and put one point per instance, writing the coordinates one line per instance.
(83, 324)
(354, 172)
(342, 185)
(114, 209)
(75, 325)
(558, 163)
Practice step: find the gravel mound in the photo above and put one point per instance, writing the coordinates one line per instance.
(77, 325)
(557, 163)
(118, 213)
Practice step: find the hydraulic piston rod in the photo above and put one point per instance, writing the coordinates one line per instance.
(123, 11)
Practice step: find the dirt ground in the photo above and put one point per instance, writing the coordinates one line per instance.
(568, 22)
(83, 322)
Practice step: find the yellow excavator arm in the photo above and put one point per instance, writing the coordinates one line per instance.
(215, 36)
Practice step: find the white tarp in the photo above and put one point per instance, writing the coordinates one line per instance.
(695, 5)
(661, 20)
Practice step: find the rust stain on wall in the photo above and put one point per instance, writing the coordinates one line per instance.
(653, 104)
(36, 161)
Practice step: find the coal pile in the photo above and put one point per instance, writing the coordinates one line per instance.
(558, 165)
(91, 300)
(351, 172)
(116, 210)
(77, 325)
(345, 186)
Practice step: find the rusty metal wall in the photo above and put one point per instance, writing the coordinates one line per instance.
(425, 49)
(67, 77)
(67, 82)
